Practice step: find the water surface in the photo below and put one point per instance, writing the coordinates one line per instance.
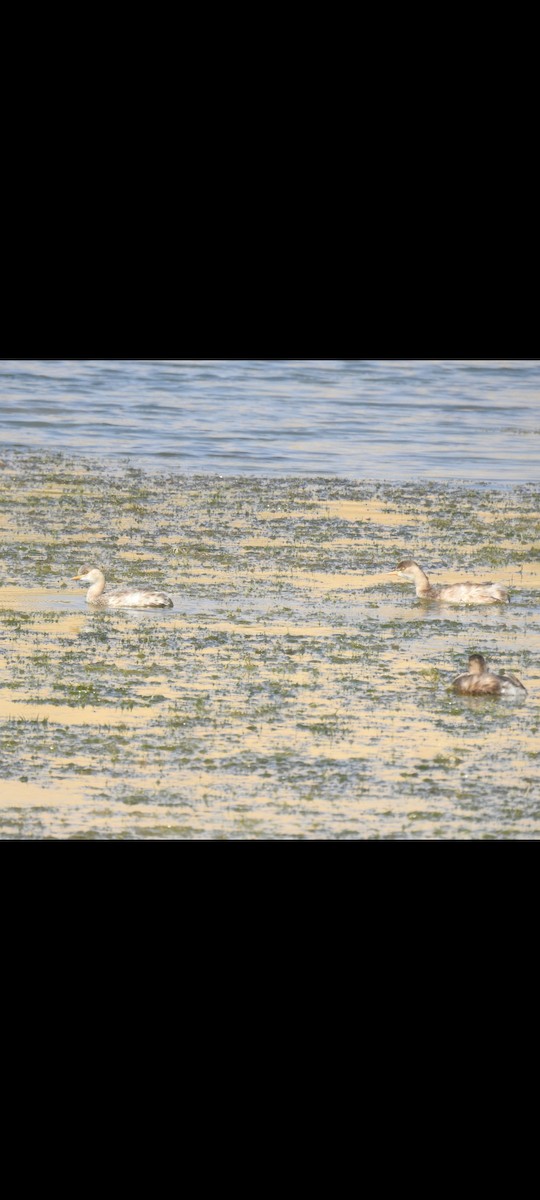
(295, 690)
(369, 419)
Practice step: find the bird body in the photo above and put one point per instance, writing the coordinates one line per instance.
(453, 593)
(481, 682)
(127, 598)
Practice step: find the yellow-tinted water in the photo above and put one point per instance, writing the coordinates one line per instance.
(294, 691)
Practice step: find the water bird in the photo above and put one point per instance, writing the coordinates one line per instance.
(453, 593)
(481, 682)
(127, 598)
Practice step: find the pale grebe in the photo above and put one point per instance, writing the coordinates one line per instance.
(452, 593)
(480, 681)
(128, 598)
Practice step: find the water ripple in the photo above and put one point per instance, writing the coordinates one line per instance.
(387, 419)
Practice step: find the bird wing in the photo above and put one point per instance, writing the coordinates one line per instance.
(513, 679)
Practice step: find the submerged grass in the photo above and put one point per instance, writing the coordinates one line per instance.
(293, 691)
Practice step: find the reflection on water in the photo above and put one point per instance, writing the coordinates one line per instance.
(483, 703)
(412, 419)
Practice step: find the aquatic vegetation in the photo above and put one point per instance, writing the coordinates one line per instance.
(290, 692)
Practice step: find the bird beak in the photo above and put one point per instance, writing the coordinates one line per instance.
(76, 576)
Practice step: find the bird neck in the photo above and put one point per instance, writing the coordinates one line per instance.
(421, 582)
(96, 589)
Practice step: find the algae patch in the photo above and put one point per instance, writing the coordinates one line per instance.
(294, 691)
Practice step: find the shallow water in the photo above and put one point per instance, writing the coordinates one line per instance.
(371, 420)
(295, 690)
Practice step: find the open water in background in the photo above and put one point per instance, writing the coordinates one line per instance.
(400, 420)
